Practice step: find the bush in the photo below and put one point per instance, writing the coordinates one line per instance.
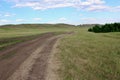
(115, 27)
(90, 29)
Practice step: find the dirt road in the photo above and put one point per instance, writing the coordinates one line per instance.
(28, 60)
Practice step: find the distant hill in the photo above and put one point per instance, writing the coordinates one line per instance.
(38, 25)
(86, 25)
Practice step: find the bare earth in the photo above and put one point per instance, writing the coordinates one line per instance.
(29, 60)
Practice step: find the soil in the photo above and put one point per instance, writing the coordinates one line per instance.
(28, 60)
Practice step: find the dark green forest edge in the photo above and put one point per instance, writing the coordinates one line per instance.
(113, 27)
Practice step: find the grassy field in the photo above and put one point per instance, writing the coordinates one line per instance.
(84, 55)
(12, 34)
(90, 56)
(27, 30)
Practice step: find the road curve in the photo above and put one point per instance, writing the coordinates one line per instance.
(30, 59)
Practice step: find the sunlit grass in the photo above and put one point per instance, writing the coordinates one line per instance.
(15, 32)
(7, 34)
(90, 56)
(84, 55)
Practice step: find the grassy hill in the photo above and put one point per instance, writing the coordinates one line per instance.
(83, 55)
(31, 29)
(12, 34)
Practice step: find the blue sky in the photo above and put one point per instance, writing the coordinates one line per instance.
(59, 11)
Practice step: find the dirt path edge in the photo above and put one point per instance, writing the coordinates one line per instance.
(54, 63)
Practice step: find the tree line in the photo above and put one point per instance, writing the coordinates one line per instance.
(113, 27)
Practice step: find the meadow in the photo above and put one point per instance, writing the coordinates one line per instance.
(12, 34)
(10, 31)
(90, 56)
(83, 55)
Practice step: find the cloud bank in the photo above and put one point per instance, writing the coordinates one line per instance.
(89, 5)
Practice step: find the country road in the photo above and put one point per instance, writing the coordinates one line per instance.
(28, 60)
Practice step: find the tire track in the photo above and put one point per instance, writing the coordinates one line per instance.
(22, 51)
(31, 59)
(34, 67)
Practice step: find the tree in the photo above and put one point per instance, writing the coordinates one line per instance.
(96, 28)
(90, 29)
(106, 28)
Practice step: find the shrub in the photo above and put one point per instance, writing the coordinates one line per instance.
(90, 29)
(115, 27)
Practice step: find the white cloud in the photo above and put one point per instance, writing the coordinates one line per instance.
(91, 5)
(88, 19)
(92, 2)
(20, 20)
(114, 9)
(97, 8)
(27, 4)
(43, 5)
(7, 14)
(4, 21)
(62, 19)
(91, 20)
(37, 19)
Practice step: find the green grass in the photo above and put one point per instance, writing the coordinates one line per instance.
(84, 55)
(90, 56)
(5, 42)
(8, 32)
(12, 34)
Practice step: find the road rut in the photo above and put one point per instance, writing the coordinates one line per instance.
(30, 60)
